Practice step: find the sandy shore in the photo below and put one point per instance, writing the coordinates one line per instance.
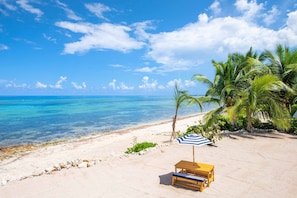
(246, 165)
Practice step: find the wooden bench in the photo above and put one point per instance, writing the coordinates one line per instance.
(188, 181)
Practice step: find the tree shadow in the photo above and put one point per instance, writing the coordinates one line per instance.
(236, 135)
(265, 133)
(167, 141)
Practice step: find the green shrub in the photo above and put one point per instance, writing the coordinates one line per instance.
(263, 125)
(139, 147)
(293, 128)
(241, 123)
(211, 133)
(225, 124)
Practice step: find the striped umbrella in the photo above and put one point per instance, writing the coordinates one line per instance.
(195, 140)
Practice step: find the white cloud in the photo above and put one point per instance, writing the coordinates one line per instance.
(180, 83)
(140, 29)
(146, 69)
(100, 36)
(117, 66)
(122, 86)
(189, 83)
(12, 84)
(208, 38)
(271, 16)
(112, 84)
(189, 46)
(98, 9)
(253, 12)
(5, 6)
(40, 85)
(173, 82)
(26, 6)
(161, 87)
(250, 10)
(203, 18)
(291, 22)
(69, 12)
(215, 7)
(3, 47)
(49, 38)
(58, 84)
(125, 87)
(147, 85)
(77, 86)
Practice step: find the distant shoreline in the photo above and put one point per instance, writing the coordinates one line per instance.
(10, 151)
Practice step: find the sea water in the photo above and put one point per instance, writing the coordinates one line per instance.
(41, 119)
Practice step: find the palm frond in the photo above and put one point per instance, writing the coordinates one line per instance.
(212, 116)
(202, 79)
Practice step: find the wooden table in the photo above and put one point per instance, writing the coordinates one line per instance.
(196, 168)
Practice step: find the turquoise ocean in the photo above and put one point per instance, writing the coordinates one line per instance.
(41, 119)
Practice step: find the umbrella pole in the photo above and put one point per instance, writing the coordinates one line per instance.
(193, 154)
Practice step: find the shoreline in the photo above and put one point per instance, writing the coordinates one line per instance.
(10, 151)
(53, 119)
(13, 156)
(246, 165)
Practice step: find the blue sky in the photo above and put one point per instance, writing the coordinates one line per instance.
(131, 47)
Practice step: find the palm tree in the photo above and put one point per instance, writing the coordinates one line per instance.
(244, 85)
(284, 65)
(222, 91)
(179, 97)
(261, 97)
(231, 77)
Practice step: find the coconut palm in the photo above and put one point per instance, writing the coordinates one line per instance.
(284, 65)
(231, 77)
(261, 97)
(244, 85)
(222, 91)
(179, 97)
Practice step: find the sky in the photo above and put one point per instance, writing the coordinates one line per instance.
(131, 47)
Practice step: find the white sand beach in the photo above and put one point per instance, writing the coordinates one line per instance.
(246, 165)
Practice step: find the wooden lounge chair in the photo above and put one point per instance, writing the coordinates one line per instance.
(188, 181)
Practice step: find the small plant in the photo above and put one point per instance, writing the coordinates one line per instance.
(263, 125)
(211, 133)
(226, 124)
(179, 134)
(293, 128)
(137, 147)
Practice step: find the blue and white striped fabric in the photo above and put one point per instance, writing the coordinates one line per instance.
(193, 139)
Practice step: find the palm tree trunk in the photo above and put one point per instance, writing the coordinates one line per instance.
(249, 121)
(173, 134)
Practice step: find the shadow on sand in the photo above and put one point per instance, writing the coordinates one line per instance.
(257, 133)
(166, 179)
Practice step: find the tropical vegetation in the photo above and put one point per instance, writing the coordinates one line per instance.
(179, 98)
(137, 147)
(250, 90)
